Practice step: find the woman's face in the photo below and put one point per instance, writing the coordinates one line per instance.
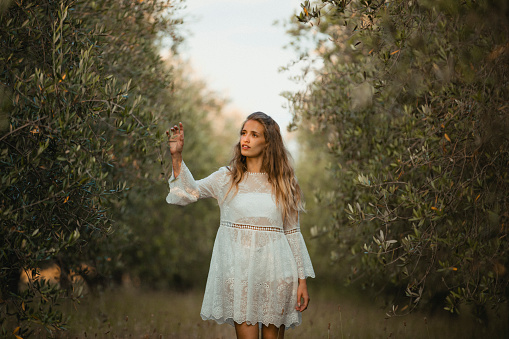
(252, 139)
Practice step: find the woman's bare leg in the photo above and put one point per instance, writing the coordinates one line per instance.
(245, 331)
(272, 332)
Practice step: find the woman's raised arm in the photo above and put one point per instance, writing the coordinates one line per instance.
(176, 143)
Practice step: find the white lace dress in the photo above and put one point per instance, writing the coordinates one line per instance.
(257, 259)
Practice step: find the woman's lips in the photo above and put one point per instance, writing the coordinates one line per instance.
(245, 147)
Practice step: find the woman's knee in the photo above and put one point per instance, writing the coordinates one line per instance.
(246, 331)
(273, 332)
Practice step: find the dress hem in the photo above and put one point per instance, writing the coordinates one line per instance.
(231, 321)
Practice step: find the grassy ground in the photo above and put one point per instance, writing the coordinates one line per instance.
(138, 314)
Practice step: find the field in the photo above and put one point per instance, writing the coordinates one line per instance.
(131, 313)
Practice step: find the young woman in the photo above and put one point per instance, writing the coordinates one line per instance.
(259, 262)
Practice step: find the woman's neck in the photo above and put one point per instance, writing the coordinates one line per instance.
(254, 165)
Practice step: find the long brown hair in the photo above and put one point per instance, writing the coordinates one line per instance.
(276, 163)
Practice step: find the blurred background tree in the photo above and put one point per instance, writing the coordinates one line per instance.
(411, 97)
(170, 246)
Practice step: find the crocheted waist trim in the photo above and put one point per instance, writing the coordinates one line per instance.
(258, 228)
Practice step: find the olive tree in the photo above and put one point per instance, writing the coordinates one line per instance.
(79, 113)
(413, 98)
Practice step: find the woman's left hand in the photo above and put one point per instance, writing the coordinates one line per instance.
(302, 296)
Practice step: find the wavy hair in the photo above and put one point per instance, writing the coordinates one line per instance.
(276, 163)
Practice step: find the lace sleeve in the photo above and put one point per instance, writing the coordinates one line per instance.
(299, 249)
(185, 190)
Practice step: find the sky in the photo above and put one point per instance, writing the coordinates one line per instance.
(237, 50)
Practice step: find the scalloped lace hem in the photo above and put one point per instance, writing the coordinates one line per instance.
(231, 321)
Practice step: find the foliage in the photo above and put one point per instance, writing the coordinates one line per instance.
(74, 129)
(413, 97)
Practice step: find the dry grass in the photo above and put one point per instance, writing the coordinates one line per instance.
(139, 314)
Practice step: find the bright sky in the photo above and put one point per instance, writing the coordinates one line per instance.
(235, 47)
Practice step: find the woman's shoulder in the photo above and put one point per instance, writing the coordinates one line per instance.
(222, 172)
(221, 177)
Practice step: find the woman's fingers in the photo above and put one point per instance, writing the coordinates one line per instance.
(177, 132)
(302, 298)
(303, 304)
(306, 302)
(176, 138)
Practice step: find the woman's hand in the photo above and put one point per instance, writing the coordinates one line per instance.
(176, 142)
(176, 139)
(302, 296)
